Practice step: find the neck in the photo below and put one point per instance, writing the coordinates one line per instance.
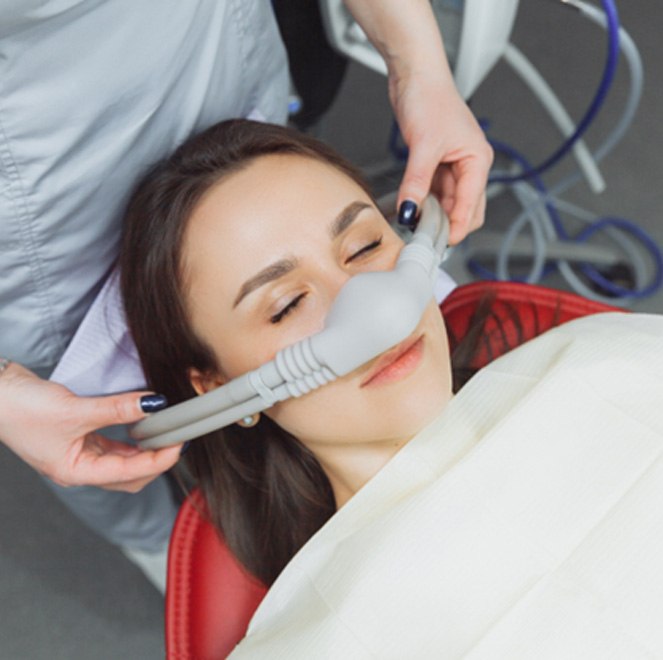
(350, 467)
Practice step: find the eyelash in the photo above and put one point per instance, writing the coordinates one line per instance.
(371, 246)
(279, 316)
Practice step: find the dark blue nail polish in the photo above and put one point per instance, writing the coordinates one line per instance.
(407, 213)
(185, 447)
(153, 402)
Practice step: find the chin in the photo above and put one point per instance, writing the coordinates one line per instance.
(410, 415)
(394, 411)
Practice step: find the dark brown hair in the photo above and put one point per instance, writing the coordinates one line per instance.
(265, 491)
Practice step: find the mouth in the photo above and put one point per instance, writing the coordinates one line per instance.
(397, 363)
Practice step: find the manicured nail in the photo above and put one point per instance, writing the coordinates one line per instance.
(185, 447)
(153, 402)
(407, 213)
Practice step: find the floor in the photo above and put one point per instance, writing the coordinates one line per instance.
(66, 594)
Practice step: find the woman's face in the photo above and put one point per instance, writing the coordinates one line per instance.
(266, 251)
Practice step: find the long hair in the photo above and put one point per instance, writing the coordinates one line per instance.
(265, 491)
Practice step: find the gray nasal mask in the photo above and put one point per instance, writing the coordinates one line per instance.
(373, 312)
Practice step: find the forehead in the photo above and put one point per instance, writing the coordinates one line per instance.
(284, 181)
(277, 204)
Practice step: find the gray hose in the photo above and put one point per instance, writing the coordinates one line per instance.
(373, 312)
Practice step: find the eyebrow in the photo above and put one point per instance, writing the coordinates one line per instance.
(284, 266)
(272, 272)
(346, 217)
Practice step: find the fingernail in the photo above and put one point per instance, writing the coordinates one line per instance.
(153, 402)
(407, 213)
(185, 447)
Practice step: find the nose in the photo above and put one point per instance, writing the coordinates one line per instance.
(331, 281)
(333, 275)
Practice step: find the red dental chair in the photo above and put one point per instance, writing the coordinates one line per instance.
(210, 598)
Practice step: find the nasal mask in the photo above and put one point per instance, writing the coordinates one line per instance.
(373, 312)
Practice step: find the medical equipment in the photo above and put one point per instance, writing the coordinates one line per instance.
(373, 312)
(542, 206)
(520, 64)
(475, 34)
(589, 267)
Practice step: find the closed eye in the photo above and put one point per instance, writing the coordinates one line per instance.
(367, 248)
(279, 316)
(292, 305)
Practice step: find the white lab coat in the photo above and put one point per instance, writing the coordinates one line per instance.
(92, 92)
(526, 522)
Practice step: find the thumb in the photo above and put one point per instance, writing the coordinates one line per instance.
(421, 165)
(120, 408)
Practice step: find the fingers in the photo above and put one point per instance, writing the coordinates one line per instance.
(454, 165)
(98, 412)
(468, 184)
(421, 166)
(145, 467)
(115, 465)
(460, 186)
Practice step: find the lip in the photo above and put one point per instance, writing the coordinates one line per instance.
(397, 363)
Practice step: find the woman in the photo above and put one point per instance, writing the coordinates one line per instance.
(272, 296)
(66, 176)
(236, 247)
(167, 70)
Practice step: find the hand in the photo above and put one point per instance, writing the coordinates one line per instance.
(52, 430)
(449, 154)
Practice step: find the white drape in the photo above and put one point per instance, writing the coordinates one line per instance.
(525, 522)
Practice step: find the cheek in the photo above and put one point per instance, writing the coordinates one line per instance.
(248, 345)
(349, 415)
(244, 348)
(343, 412)
(314, 416)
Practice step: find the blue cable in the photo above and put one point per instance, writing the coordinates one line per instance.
(587, 269)
(614, 289)
(607, 78)
(400, 151)
(516, 156)
(536, 181)
(529, 172)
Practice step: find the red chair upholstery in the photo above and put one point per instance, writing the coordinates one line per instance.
(210, 598)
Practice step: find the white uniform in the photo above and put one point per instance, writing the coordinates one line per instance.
(92, 92)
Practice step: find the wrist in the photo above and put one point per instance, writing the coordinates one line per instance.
(420, 61)
(9, 371)
(405, 34)
(4, 366)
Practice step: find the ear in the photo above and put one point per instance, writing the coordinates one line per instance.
(204, 382)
